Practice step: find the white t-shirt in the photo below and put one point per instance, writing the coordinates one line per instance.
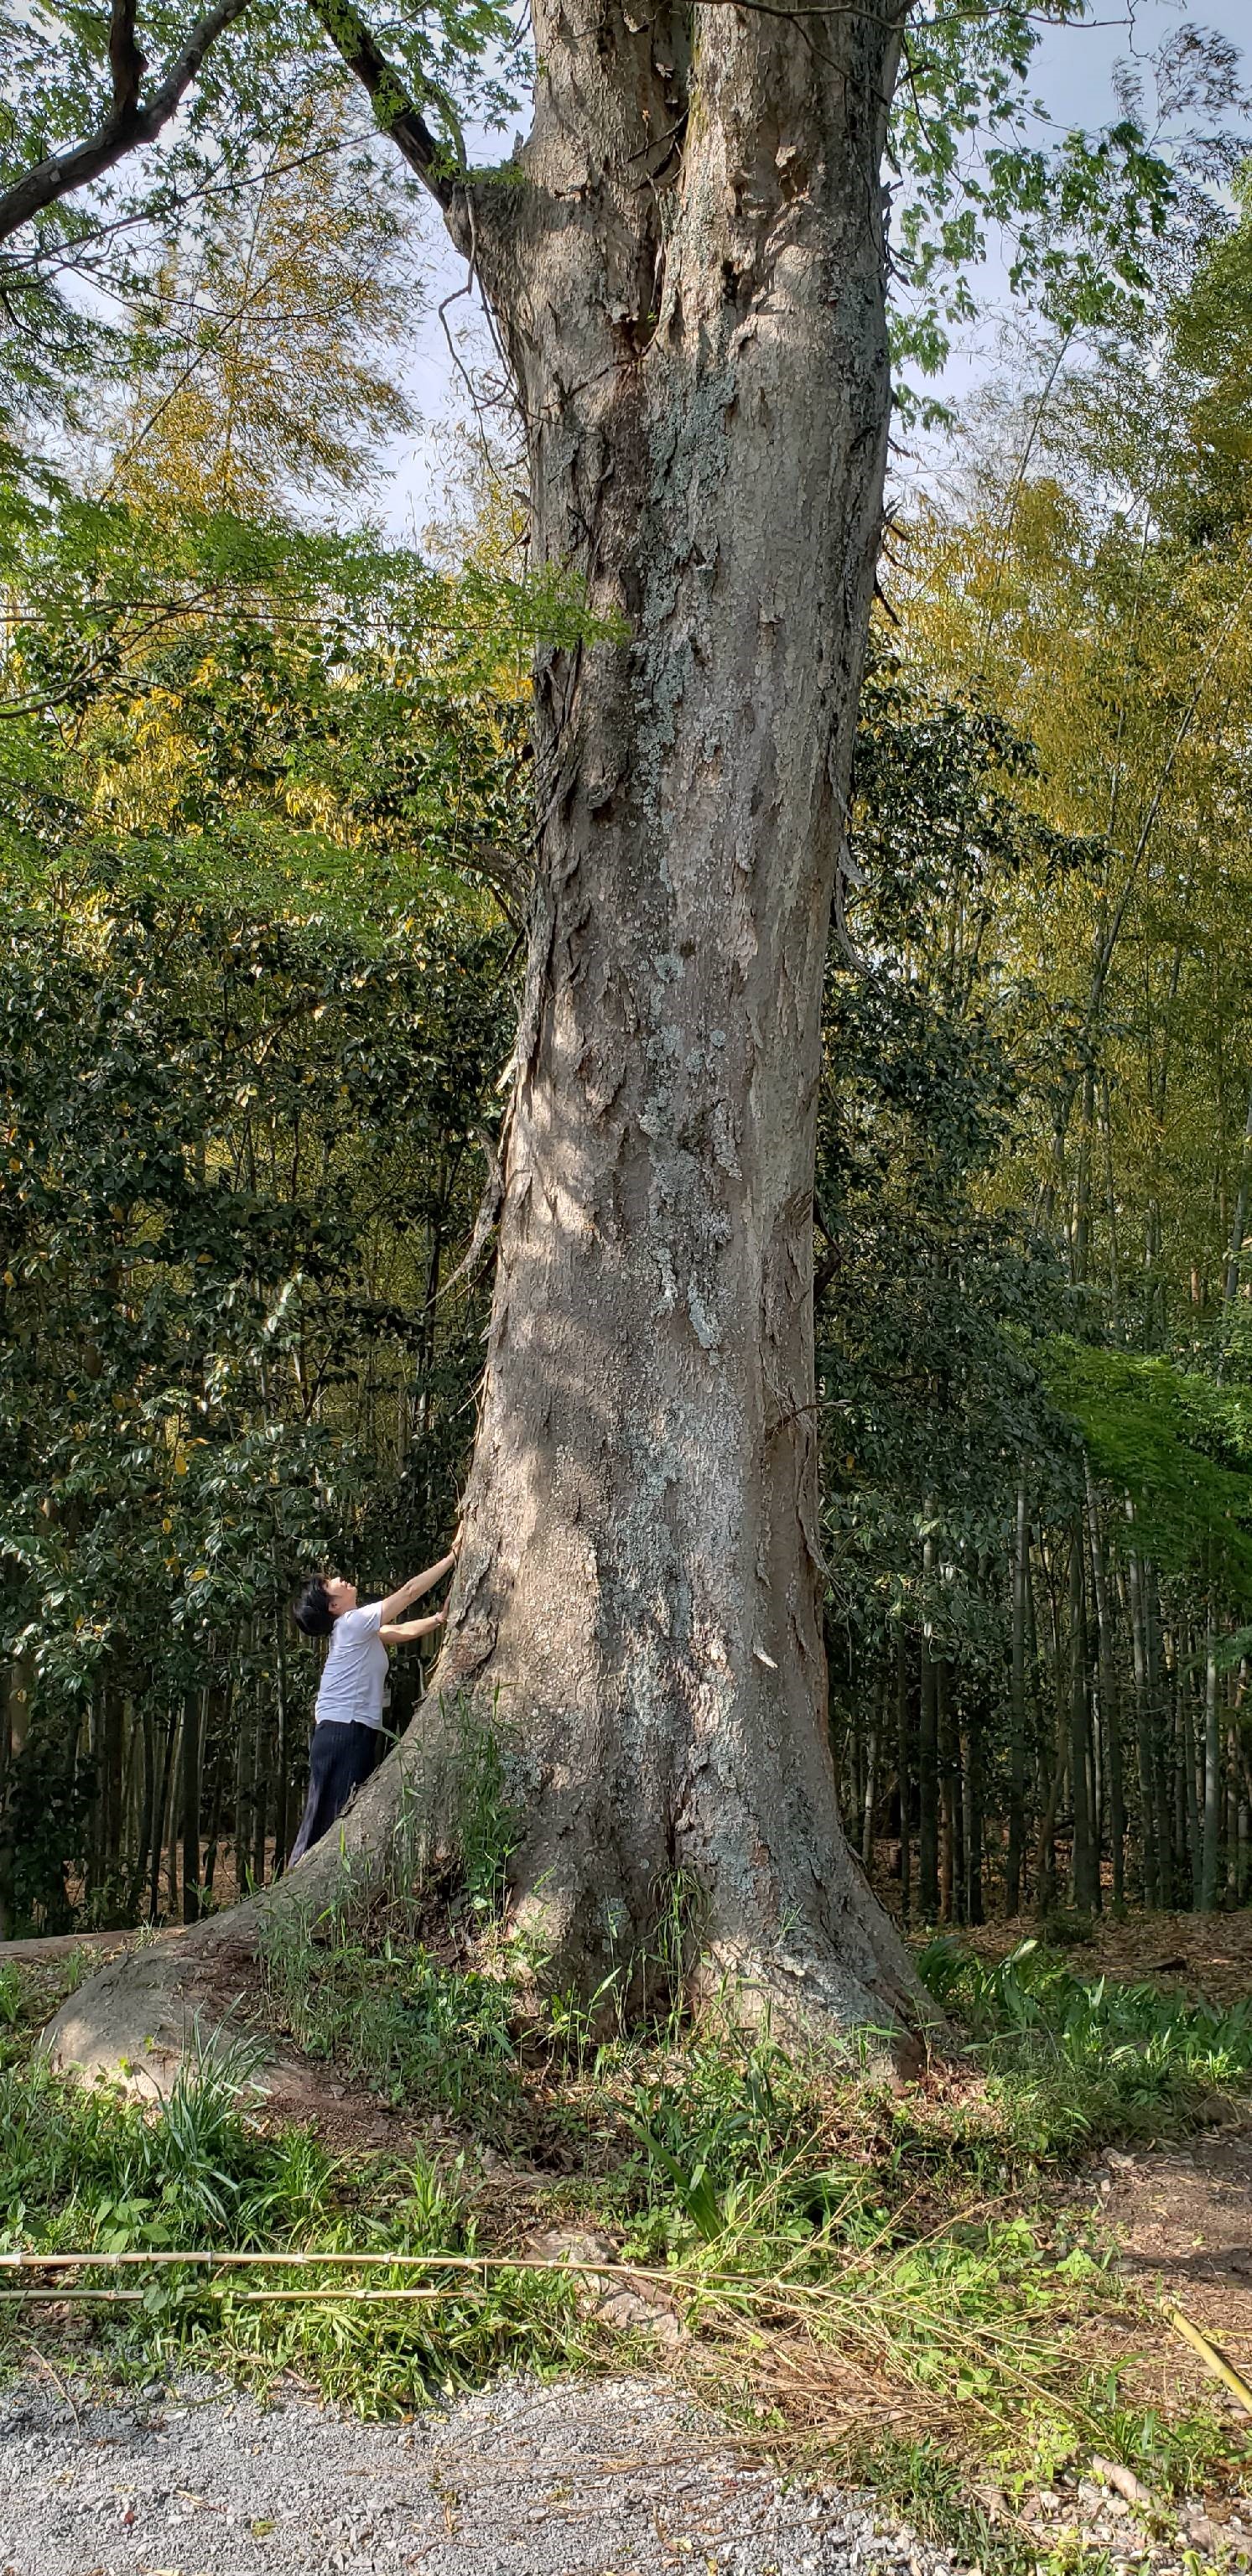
(353, 1688)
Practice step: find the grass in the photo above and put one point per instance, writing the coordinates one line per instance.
(875, 2266)
(417, 2019)
(90, 2172)
(388, 2013)
(29, 1996)
(1084, 2061)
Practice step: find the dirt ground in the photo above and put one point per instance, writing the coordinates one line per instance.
(1208, 1955)
(1180, 2222)
(1180, 2215)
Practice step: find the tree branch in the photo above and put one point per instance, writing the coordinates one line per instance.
(394, 111)
(127, 125)
(125, 60)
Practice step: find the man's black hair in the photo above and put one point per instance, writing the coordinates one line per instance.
(313, 1611)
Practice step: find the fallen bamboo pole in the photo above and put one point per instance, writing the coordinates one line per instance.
(198, 2254)
(806, 2302)
(308, 2262)
(247, 2298)
(1212, 2359)
(159, 2257)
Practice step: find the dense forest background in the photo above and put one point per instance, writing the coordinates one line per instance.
(264, 833)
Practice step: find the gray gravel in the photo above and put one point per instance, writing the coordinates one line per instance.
(619, 2477)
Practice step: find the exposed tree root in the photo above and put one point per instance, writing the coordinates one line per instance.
(144, 2014)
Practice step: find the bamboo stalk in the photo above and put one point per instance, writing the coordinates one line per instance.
(841, 2292)
(330, 2294)
(163, 2257)
(801, 2301)
(431, 2262)
(1212, 2359)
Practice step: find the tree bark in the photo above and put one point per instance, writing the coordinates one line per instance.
(260, 1791)
(1017, 1706)
(143, 1839)
(687, 274)
(689, 283)
(1086, 1858)
(1152, 1859)
(869, 1790)
(928, 1790)
(905, 1768)
(972, 1815)
(951, 1874)
(191, 1778)
(1210, 1836)
(161, 1812)
(1239, 1217)
(1110, 1697)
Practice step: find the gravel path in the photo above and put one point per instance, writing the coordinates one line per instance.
(581, 2478)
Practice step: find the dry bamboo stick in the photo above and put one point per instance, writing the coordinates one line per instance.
(32, 2262)
(1212, 2359)
(162, 2257)
(247, 2298)
(805, 2301)
(800, 2300)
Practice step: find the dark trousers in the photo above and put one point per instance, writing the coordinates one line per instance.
(340, 1758)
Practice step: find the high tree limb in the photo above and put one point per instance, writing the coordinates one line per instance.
(394, 110)
(128, 123)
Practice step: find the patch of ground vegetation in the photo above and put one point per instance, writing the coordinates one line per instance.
(888, 2273)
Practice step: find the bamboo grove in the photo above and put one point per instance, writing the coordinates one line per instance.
(265, 823)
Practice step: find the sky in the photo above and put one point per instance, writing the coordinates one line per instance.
(1073, 78)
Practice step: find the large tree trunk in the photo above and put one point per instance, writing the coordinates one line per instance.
(688, 276)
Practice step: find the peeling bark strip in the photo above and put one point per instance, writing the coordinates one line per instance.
(687, 271)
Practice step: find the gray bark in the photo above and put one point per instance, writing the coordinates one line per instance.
(1211, 1819)
(1017, 1705)
(688, 276)
(689, 281)
(1239, 1218)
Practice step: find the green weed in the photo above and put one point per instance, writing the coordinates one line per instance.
(390, 2015)
(74, 2159)
(486, 1817)
(731, 2134)
(360, 1988)
(87, 2171)
(30, 1994)
(1075, 2061)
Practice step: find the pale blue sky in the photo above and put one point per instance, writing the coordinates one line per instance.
(1073, 78)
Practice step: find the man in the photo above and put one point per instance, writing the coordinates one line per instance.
(348, 1737)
